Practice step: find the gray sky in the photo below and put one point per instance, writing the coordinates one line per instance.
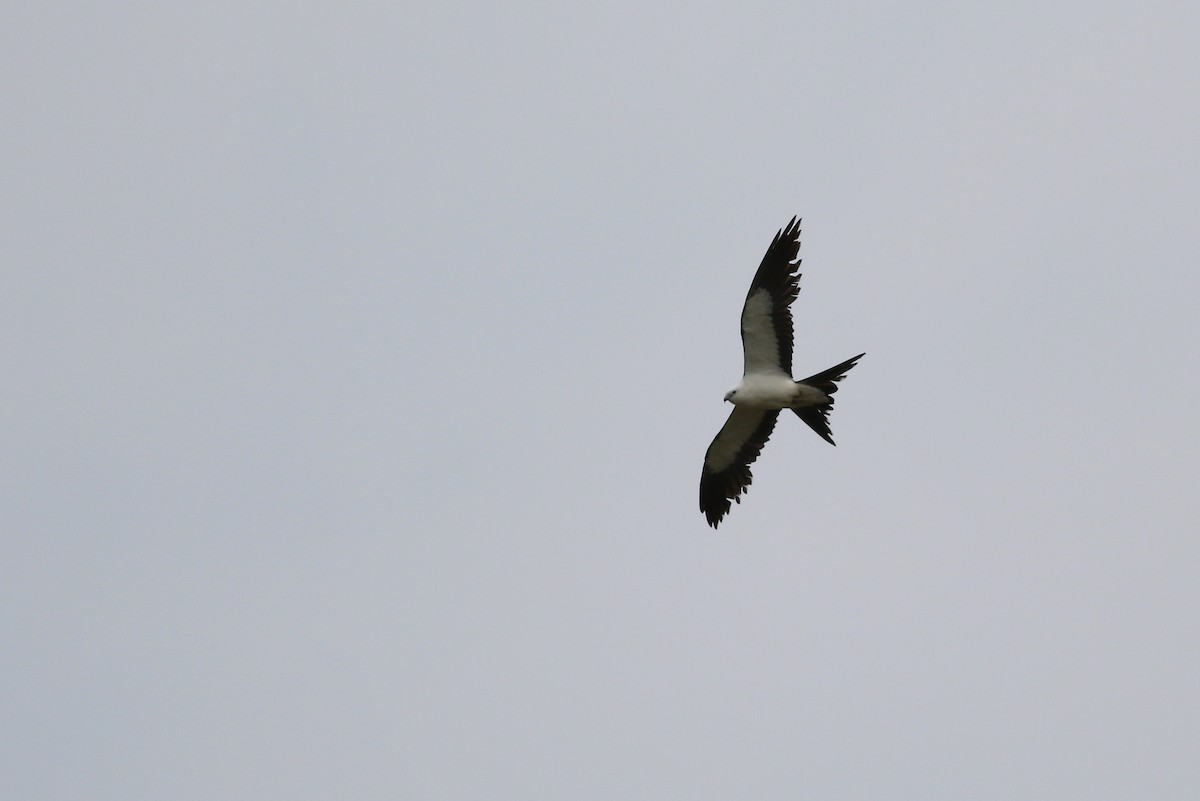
(361, 359)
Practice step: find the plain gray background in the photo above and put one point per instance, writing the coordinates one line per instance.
(359, 360)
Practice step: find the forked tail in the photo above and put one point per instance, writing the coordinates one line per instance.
(817, 417)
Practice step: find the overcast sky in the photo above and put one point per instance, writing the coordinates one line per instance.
(360, 359)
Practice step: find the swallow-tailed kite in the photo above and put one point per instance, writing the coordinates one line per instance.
(767, 385)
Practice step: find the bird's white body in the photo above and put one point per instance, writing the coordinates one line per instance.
(774, 390)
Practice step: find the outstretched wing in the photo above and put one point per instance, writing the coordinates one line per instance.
(726, 473)
(766, 318)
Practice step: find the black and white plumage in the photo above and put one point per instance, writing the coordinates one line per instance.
(767, 386)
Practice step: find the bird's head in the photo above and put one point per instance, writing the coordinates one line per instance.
(730, 395)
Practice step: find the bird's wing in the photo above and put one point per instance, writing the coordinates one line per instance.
(766, 316)
(726, 473)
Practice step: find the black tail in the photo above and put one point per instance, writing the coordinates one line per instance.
(817, 417)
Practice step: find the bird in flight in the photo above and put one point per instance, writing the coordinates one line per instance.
(767, 386)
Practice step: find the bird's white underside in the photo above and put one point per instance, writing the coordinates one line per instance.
(766, 391)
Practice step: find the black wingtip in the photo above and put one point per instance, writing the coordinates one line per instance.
(720, 491)
(790, 232)
(792, 229)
